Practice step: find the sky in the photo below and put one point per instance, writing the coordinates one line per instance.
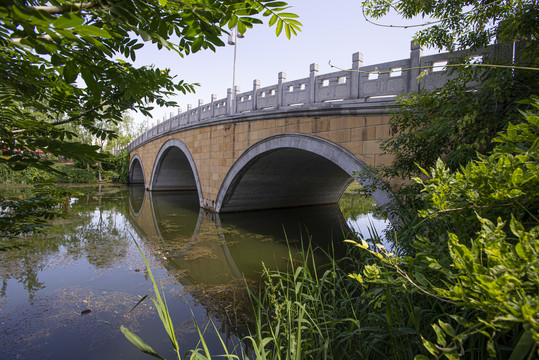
(332, 31)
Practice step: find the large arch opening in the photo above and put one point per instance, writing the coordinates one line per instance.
(136, 172)
(174, 169)
(290, 170)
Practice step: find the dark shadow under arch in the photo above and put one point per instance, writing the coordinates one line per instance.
(289, 170)
(136, 171)
(175, 169)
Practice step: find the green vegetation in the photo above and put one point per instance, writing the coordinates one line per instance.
(459, 120)
(113, 169)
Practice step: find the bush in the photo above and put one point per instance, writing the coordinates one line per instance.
(73, 174)
(477, 251)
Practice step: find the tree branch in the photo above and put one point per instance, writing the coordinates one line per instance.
(95, 108)
(63, 9)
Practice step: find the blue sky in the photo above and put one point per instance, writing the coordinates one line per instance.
(332, 31)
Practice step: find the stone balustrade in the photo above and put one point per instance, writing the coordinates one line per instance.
(359, 85)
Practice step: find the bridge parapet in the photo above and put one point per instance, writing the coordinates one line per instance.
(357, 86)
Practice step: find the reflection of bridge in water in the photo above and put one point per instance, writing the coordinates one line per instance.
(209, 248)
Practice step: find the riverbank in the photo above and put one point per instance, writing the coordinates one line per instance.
(115, 169)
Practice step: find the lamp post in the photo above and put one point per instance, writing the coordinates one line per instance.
(233, 40)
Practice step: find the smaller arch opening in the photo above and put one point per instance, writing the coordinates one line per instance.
(136, 172)
(173, 172)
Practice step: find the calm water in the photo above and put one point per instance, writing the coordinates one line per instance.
(88, 261)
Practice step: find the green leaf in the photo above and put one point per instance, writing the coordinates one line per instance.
(197, 44)
(90, 30)
(139, 343)
(241, 27)
(523, 347)
(70, 72)
(68, 20)
(440, 336)
(517, 176)
(288, 15)
(429, 346)
(279, 28)
(273, 20)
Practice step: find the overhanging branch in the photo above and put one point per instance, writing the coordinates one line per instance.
(64, 9)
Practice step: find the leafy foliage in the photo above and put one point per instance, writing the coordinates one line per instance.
(459, 120)
(463, 24)
(493, 186)
(57, 64)
(478, 249)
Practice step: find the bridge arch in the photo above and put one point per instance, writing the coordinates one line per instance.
(293, 169)
(175, 169)
(137, 198)
(136, 170)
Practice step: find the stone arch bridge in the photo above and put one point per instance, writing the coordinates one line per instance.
(294, 143)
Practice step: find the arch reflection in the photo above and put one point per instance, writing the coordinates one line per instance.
(207, 248)
(136, 199)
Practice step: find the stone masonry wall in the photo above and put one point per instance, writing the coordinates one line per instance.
(215, 148)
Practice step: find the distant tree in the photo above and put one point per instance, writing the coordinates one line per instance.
(459, 120)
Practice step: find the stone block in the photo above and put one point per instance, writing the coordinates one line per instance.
(385, 159)
(241, 128)
(377, 120)
(262, 134)
(306, 127)
(351, 122)
(363, 134)
(292, 126)
(382, 131)
(367, 159)
(355, 147)
(259, 125)
(240, 137)
(335, 123)
(320, 125)
(371, 147)
(340, 136)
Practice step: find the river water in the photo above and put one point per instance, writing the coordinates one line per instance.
(65, 293)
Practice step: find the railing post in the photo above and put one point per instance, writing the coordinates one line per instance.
(415, 61)
(357, 63)
(256, 86)
(189, 107)
(235, 98)
(199, 110)
(280, 94)
(213, 98)
(312, 83)
(229, 101)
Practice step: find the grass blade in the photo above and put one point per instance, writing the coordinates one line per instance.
(139, 343)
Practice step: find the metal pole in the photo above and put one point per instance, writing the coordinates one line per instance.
(234, 69)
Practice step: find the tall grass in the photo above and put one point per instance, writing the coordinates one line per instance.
(317, 311)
